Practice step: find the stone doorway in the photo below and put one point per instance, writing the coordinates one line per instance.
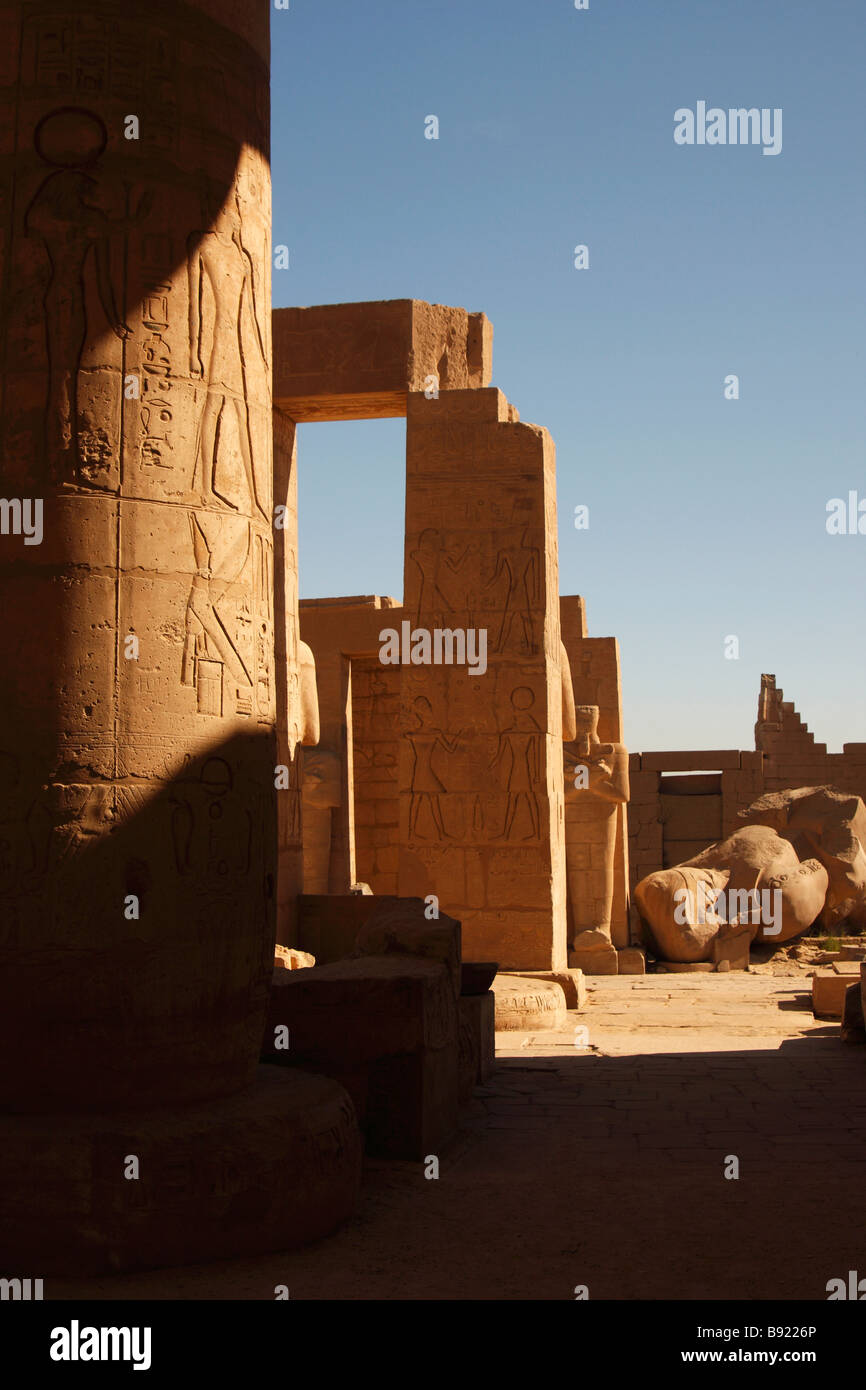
(690, 813)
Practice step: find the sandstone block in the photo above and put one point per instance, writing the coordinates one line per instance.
(853, 1023)
(733, 949)
(358, 361)
(399, 926)
(477, 1040)
(385, 1027)
(328, 924)
(828, 993)
(476, 976)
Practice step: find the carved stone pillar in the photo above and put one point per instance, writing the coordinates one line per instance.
(137, 753)
(481, 816)
(138, 701)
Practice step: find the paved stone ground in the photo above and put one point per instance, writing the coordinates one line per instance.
(603, 1165)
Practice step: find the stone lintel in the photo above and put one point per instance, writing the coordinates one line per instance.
(476, 406)
(360, 361)
(702, 760)
(351, 601)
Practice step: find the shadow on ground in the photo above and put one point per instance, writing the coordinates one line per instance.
(606, 1171)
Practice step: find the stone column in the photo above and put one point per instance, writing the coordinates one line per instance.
(138, 702)
(137, 873)
(481, 817)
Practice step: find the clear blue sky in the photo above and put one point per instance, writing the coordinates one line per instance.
(707, 516)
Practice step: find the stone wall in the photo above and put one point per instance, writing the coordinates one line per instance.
(792, 758)
(683, 801)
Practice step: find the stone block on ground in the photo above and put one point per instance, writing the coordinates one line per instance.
(828, 993)
(476, 976)
(477, 1040)
(733, 949)
(399, 926)
(853, 1023)
(328, 923)
(386, 1028)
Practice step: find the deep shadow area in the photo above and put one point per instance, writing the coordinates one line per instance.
(606, 1171)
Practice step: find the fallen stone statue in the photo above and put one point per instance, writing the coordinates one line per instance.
(798, 860)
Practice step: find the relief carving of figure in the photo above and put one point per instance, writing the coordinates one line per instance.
(519, 752)
(426, 786)
(68, 215)
(218, 338)
(520, 567)
(220, 553)
(446, 574)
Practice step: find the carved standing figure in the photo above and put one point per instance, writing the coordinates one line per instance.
(596, 783)
(218, 347)
(426, 786)
(518, 751)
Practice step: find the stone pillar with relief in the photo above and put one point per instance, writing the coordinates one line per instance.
(138, 695)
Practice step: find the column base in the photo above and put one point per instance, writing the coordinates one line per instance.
(571, 980)
(528, 1004)
(272, 1168)
(594, 953)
